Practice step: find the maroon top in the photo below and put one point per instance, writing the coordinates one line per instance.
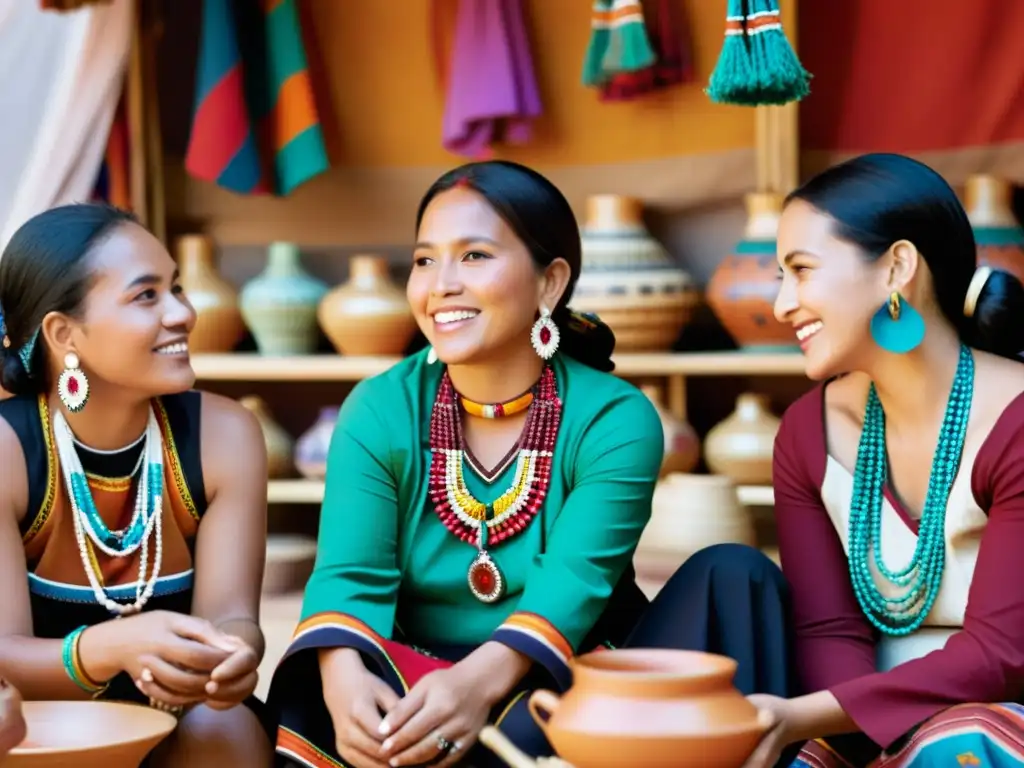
(983, 662)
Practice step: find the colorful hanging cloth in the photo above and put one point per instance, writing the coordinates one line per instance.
(673, 63)
(492, 85)
(757, 65)
(255, 128)
(618, 41)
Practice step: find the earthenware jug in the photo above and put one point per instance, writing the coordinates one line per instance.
(651, 707)
(219, 326)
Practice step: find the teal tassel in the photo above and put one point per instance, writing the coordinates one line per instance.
(593, 72)
(628, 49)
(780, 76)
(733, 80)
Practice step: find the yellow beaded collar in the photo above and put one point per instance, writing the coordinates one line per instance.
(497, 410)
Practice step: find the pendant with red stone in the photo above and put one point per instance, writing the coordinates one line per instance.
(72, 384)
(485, 579)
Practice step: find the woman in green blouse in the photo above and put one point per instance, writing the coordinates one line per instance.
(484, 500)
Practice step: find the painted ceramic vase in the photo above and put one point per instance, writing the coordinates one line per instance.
(672, 707)
(368, 314)
(278, 442)
(740, 446)
(219, 326)
(312, 447)
(997, 232)
(279, 305)
(629, 279)
(742, 290)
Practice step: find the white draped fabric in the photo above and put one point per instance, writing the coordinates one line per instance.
(61, 76)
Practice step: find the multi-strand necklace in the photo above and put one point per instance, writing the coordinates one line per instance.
(474, 522)
(919, 581)
(143, 530)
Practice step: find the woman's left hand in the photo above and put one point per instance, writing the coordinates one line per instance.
(441, 716)
(235, 678)
(774, 713)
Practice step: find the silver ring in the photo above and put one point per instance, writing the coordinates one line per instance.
(443, 745)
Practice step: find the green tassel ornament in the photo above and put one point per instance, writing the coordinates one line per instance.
(618, 41)
(600, 33)
(757, 65)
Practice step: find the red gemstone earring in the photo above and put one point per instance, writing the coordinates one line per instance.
(544, 335)
(73, 386)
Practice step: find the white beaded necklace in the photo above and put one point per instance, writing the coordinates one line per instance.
(148, 511)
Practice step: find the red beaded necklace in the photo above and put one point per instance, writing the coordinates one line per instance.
(473, 521)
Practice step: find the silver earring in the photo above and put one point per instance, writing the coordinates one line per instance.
(431, 356)
(544, 336)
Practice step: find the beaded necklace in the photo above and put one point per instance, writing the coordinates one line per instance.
(497, 410)
(144, 528)
(919, 581)
(490, 524)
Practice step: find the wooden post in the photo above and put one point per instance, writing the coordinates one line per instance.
(778, 129)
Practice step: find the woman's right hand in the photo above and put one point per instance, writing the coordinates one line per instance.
(357, 701)
(12, 723)
(169, 655)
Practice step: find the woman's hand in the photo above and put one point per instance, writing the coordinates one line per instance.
(12, 724)
(235, 678)
(355, 699)
(440, 717)
(170, 656)
(774, 713)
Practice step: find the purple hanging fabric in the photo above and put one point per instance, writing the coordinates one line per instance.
(492, 83)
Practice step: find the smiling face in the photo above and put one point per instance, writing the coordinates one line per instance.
(828, 292)
(136, 320)
(474, 288)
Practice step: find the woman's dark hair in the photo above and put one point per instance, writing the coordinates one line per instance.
(44, 269)
(542, 218)
(878, 199)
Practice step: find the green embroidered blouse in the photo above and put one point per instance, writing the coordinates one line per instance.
(386, 560)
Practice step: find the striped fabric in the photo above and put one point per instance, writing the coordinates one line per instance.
(255, 129)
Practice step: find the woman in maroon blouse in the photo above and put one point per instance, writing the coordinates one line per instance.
(899, 481)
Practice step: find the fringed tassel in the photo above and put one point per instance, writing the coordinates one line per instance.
(781, 77)
(733, 80)
(628, 50)
(600, 31)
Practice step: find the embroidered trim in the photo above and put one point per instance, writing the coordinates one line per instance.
(171, 454)
(46, 507)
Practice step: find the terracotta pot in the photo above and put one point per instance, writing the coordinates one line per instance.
(999, 236)
(656, 708)
(368, 314)
(88, 734)
(682, 445)
(740, 446)
(279, 443)
(742, 290)
(312, 447)
(629, 279)
(219, 325)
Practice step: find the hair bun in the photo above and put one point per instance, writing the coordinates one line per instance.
(588, 339)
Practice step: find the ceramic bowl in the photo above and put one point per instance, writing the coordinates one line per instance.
(88, 734)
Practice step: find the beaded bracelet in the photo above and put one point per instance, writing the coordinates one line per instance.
(73, 665)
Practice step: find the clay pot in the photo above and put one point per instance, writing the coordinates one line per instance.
(999, 236)
(368, 314)
(682, 445)
(656, 708)
(742, 290)
(279, 304)
(219, 325)
(88, 734)
(629, 279)
(290, 559)
(740, 446)
(312, 447)
(279, 443)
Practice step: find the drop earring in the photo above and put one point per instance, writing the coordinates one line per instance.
(545, 336)
(431, 356)
(897, 327)
(73, 386)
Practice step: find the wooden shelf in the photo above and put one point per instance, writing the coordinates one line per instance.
(312, 492)
(254, 367)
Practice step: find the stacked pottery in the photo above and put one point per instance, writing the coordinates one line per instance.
(628, 279)
(278, 442)
(368, 314)
(740, 446)
(682, 446)
(742, 290)
(999, 236)
(219, 325)
(280, 304)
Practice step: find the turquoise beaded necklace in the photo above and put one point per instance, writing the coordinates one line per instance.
(920, 580)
